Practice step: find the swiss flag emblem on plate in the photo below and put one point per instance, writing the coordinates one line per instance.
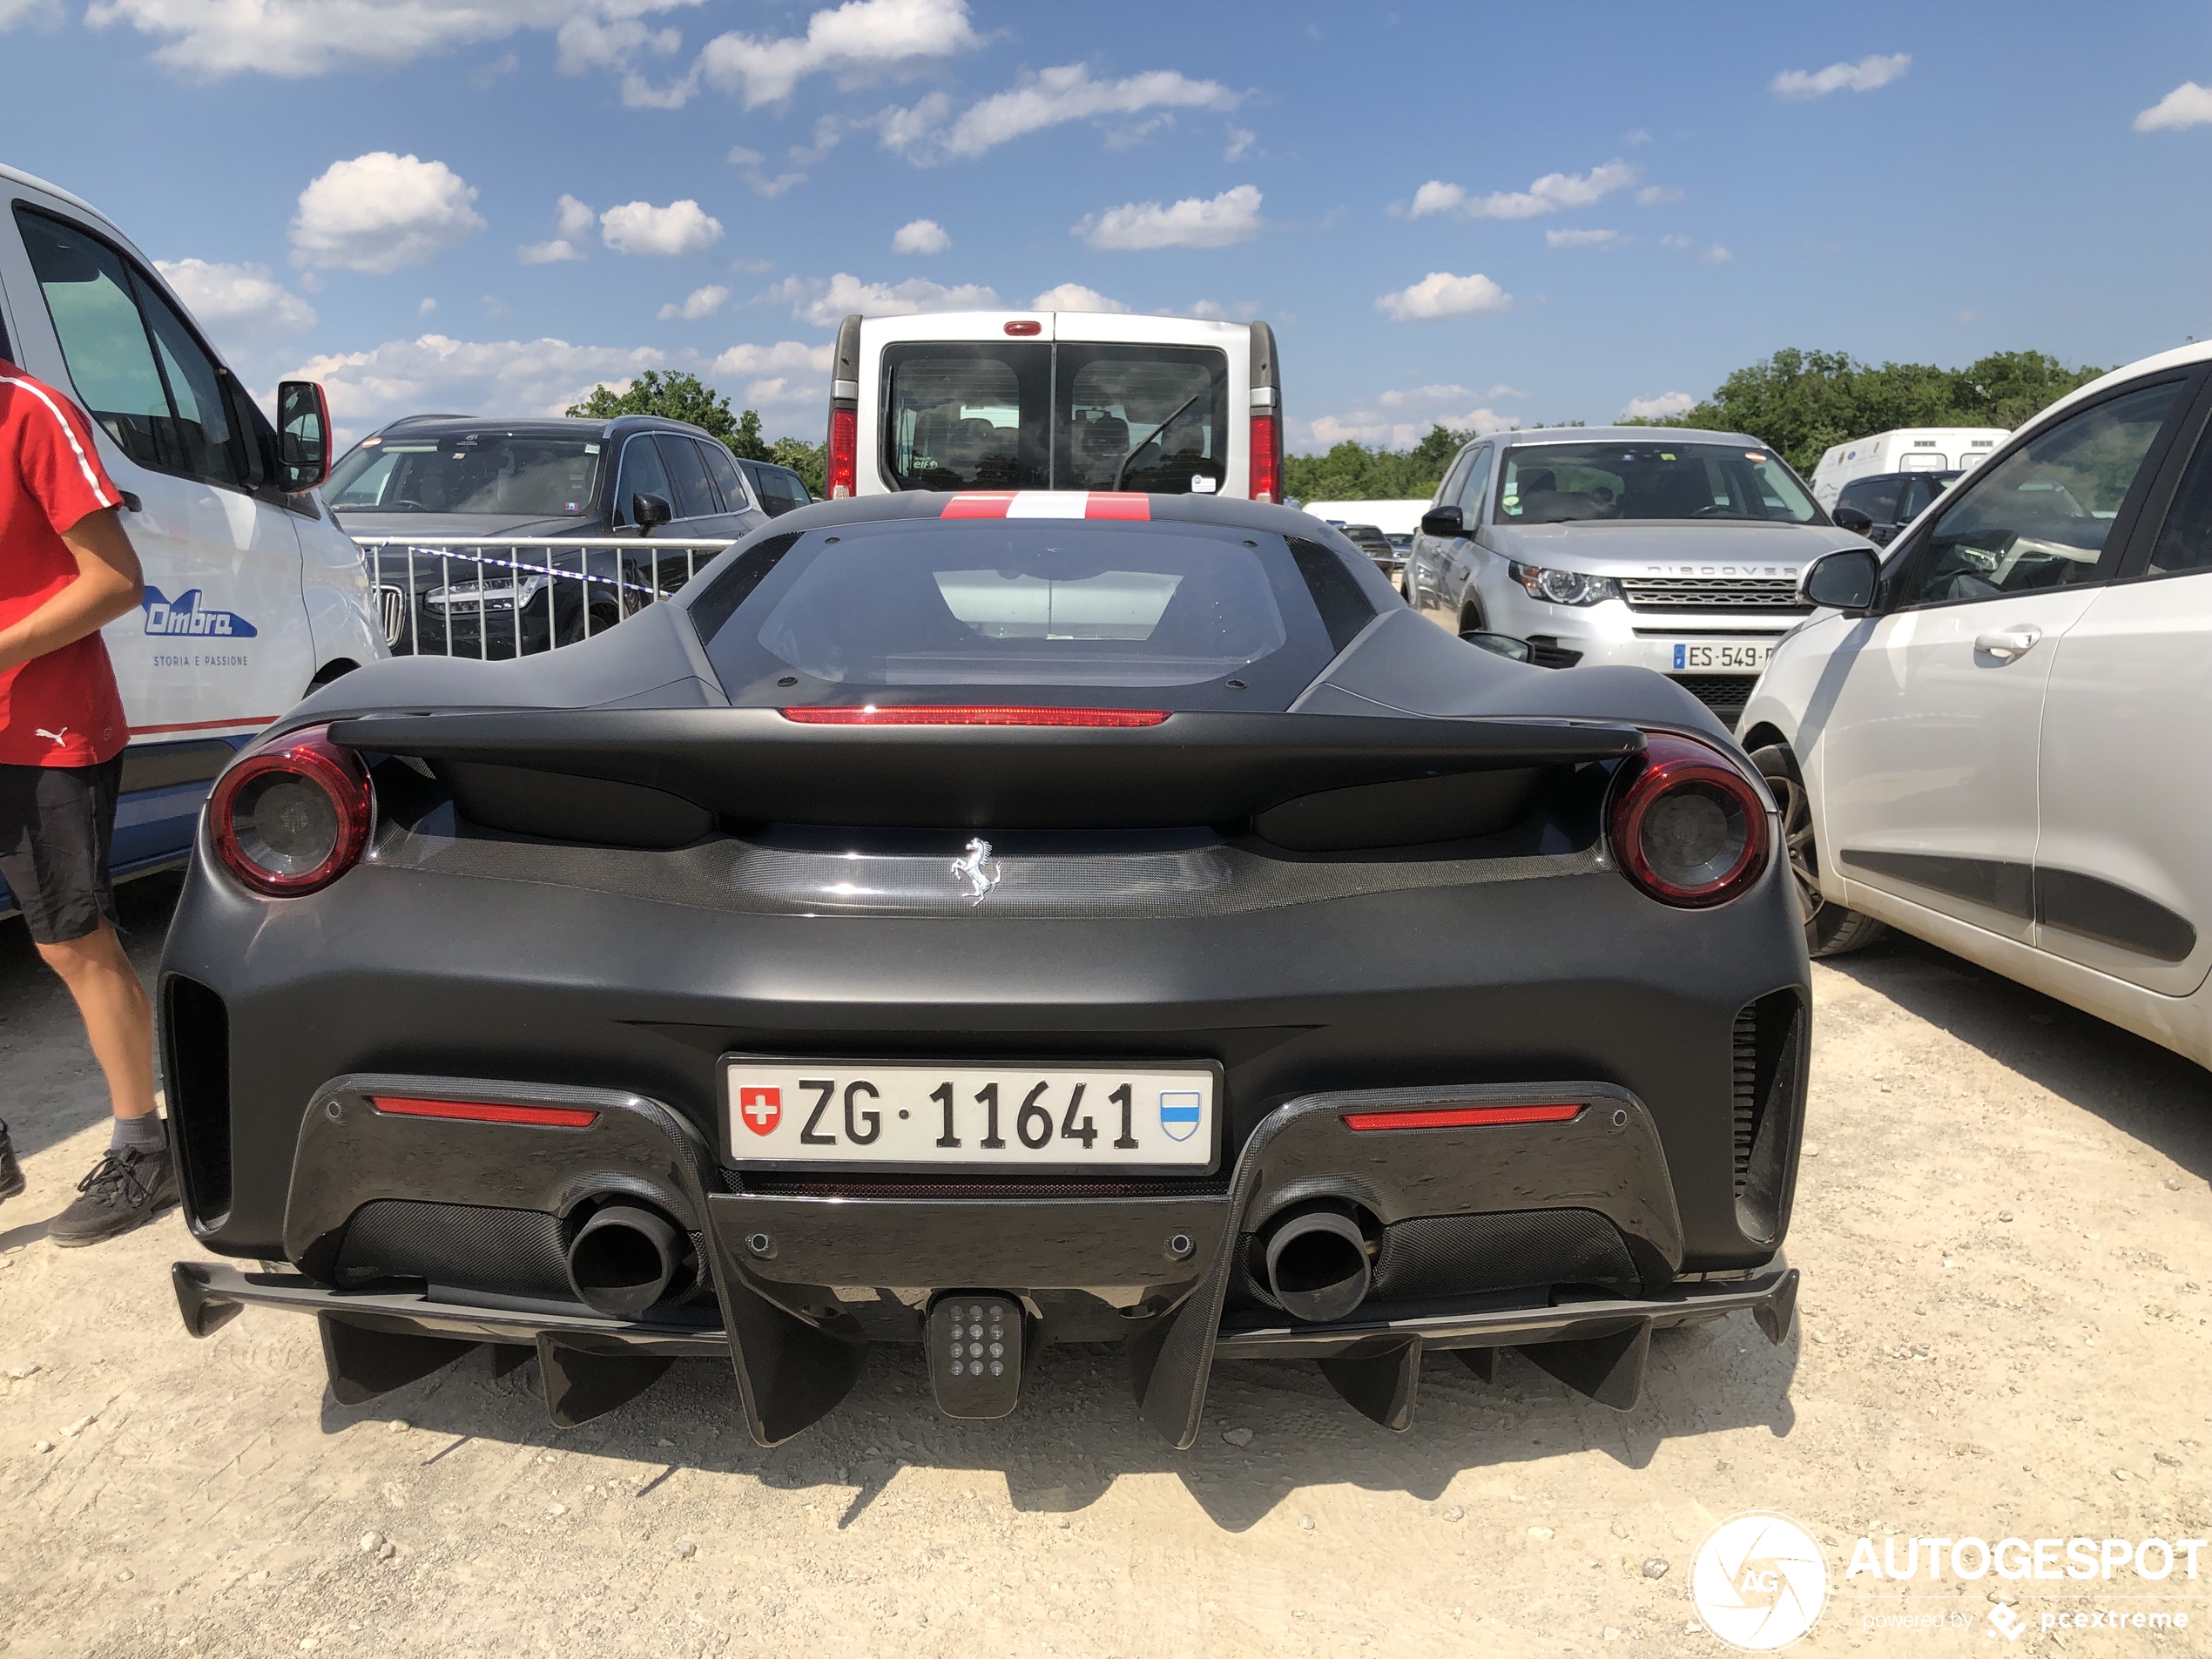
(760, 1108)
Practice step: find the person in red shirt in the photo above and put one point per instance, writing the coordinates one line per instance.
(66, 567)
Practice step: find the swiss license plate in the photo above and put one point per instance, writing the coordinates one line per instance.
(914, 1115)
(1717, 655)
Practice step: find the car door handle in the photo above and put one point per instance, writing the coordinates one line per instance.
(2009, 644)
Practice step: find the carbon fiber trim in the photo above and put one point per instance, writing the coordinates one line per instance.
(505, 1252)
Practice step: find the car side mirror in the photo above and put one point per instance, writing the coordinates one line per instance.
(1443, 521)
(1506, 645)
(303, 436)
(649, 511)
(1850, 518)
(1845, 580)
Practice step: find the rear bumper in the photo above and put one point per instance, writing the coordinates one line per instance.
(804, 1282)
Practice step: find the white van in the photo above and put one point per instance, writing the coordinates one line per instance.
(1916, 449)
(252, 593)
(1397, 520)
(1055, 400)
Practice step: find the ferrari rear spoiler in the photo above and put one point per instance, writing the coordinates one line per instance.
(530, 769)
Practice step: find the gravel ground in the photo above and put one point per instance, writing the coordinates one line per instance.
(2003, 1223)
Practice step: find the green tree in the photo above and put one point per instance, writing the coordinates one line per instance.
(1352, 471)
(1803, 402)
(809, 460)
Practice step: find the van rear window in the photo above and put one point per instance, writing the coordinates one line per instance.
(1031, 414)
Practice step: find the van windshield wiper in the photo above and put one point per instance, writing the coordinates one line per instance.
(1152, 436)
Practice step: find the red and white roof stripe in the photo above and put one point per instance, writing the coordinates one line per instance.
(1048, 503)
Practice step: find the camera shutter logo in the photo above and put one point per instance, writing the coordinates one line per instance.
(1759, 1582)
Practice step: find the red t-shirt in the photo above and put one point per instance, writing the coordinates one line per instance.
(62, 709)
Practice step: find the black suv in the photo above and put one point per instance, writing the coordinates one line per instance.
(411, 483)
(1881, 504)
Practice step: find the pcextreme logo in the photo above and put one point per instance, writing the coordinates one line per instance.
(184, 616)
(1759, 1582)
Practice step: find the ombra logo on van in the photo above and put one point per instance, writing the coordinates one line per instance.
(186, 616)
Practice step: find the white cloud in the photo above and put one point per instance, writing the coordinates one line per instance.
(1863, 76)
(640, 228)
(239, 305)
(1240, 139)
(785, 357)
(1651, 408)
(37, 14)
(1638, 137)
(700, 302)
(575, 222)
(380, 211)
(210, 38)
(1553, 194)
(426, 307)
(1054, 97)
(1073, 296)
(856, 40)
(1441, 294)
(1233, 216)
(1581, 238)
(1674, 240)
(591, 44)
(1657, 195)
(919, 236)
(1364, 425)
(499, 377)
(826, 304)
(1716, 255)
(2187, 106)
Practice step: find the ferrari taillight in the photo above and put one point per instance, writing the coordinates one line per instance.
(1686, 826)
(844, 452)
(291, 818)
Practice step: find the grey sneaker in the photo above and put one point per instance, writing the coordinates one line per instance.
(126, 1189)
(10, 1171)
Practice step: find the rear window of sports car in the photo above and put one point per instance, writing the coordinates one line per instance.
(1059, 612)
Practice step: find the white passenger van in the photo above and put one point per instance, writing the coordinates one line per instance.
(1055, 400)
(1918, 449)
(252, 593)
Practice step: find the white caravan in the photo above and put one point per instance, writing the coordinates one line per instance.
(1055, 399)
(253, 594)
(1915, 448)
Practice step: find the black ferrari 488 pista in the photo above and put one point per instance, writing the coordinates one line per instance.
(980, 921)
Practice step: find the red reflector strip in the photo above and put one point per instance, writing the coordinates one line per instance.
(1462, 1117)
(979, 504)
(484, 1111)
(870, 715)
(1048, 504)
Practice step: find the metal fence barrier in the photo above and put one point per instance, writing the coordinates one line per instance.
(491, 596)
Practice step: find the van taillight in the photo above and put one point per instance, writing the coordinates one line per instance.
(1267, 458)
(844, 448)
(1025, 329)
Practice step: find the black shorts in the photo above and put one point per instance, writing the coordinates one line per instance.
(56, 823)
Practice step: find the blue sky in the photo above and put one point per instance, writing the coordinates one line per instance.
(1481, 213)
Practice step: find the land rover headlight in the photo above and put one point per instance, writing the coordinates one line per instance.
(1565, 587)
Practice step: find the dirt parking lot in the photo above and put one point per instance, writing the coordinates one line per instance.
(2006, 1242)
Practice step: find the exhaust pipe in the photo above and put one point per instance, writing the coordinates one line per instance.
(1317, 1264)
(626, 1259)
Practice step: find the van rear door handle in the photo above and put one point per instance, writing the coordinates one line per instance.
(2008, 646)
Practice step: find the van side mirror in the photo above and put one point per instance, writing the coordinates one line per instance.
(1443, 521)
(303, 436)
(1844, 580)
(1850, 518)
(649, 511)
(1506, 645)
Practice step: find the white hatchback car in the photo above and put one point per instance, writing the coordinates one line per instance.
(1999, 737)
